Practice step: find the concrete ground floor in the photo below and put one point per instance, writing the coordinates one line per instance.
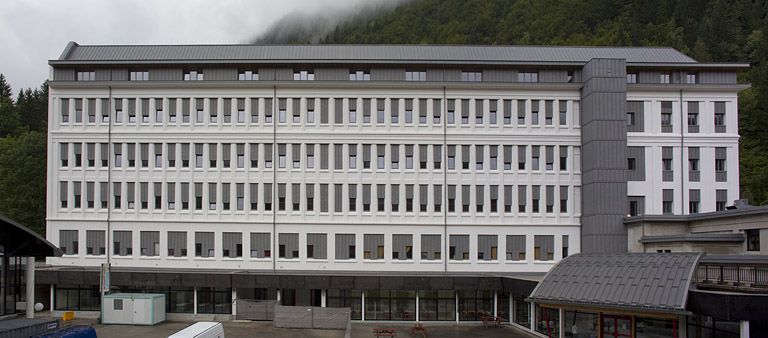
(261, 329)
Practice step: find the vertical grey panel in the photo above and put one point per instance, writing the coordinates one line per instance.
(717, 77)
(337, 198)
(345, 246)
(387, 74)
(647, 77)
(220, 74)
(103, 74)
(515, 247)
(604, 156)
(267, 74)
(638, 108)
(499, 75)
(435, 75)
(119, 75)
(283, 74)
(450, 75)
(166, 74)
(637, 153)
(639, 201)
(331, 74)
(319, 245)
(60, 74)
(553, 75)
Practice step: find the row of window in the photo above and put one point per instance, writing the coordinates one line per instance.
(401, 246)
(637, 203)
(635, 116)
(323, 156)
(668, 168)
(666, 78)
(309, 75)
(323, 110)
(316, 197)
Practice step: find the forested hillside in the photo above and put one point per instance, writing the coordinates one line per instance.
(23, 125)
(707, 30)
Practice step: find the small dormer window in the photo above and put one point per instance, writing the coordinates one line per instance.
(360, 75)
(303, 75)
(248, 75)
(528, 76)
(86, 75)
(415, 75)
(471, 76)
(139, 75)
(193, 75)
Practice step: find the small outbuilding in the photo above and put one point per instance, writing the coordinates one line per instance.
(133, 308)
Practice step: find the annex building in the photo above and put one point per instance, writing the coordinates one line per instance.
(430, 183)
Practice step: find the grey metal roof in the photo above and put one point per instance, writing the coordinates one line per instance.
(750, 210)
(696, 237)
(656, 282)
(365, 53)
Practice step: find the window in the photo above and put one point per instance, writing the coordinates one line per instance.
(694, 199)
(631, 165)
(373, 246)
(667, 201)
(430, 247)
(150, 243)
(458, 247)
(721, 173)
(721, 198)
(550, 158)
(515, 247)
(86, 75)
(247, 75)
(666, 116)
(415, 75)
(360, 75)
(487, 247)
(139, 75)
(303, 75)
(753, 239)
(563, 117)
(631, 77)
(193, 75)
(563, 198)
(68, 242)
(535, 197)
(690, 78)
(666, 164)
(122, 243)
(543, 247)
(471, 76)
(402, 247)
(94, 242)
(719, 117)
(528, 76)
(260, 245)
(664, 78)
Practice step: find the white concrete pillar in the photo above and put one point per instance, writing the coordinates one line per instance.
(53, 294)
(234, 302)
(495, 304)
(456, 296)
(279, 294)
(323, 294)
(30, 287)
(362, 311)
(417, 307)
(744, 329)
(561, 314)
(532, 317)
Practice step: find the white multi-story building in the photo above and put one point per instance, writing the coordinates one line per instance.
(392, 179)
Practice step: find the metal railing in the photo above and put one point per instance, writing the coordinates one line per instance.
(750, 276)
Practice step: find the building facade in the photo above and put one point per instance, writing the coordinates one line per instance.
(452, 162)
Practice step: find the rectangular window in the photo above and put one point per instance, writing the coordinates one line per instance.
(515, 247)
(527, 76)
(521, 111)
(352, 197)
(232, 244)
(522, 198)
(68, 242)
(177, 244)
(487, 247)
(360, 75)
(86, 76)
(430, 247)
(666, 116)
(415, 75)
(204, 245)
(402, 247)
(691, 78)
(471, 76)
(94, 243)
(563, 117)
(543, 247)
(693, 117)
(122, 243)
(451, 198)
(150, 243)
(563, 198)
(693, 164)
(193, 75)
(666, 164)
(720, 117)
(458, 247)
(373, 246)
(438, 197)
(303, 75)
(345, 246)
(139, 75)
(548, 112)
(753, 239)
(664, 78)
(631, 77)
(721, 171)
(694, 201)
(667, 201)
(261, 245)
(247, 75)
(721, 199)
(395, 197)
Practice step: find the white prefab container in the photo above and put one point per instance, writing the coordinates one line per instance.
(133, 308)
(201, 330)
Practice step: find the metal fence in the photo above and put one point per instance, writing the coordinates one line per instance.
(253, 309)
(755, 276)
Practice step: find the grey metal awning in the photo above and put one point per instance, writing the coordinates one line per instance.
(17, 240)
(653, 282)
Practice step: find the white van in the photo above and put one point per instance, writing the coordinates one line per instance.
(201, 330)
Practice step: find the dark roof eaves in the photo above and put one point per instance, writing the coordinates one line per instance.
(698, 217)
(732, 237)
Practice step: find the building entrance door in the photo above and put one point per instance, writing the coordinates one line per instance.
(617, 326)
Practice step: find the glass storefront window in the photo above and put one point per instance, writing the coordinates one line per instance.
(503, 306)
(522, 314)
(390, 305)
(580, 324)
(346, 298)
(437, 305)
(548, 321)
(12, 283)
(77, 297)
(707, 327)
(656, 328)
(475, 304)
(214, 300)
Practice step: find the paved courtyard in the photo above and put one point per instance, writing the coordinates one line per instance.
(237, 329)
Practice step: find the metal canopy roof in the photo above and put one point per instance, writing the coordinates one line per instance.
(17, 240)
(656, 282)
(75, 53)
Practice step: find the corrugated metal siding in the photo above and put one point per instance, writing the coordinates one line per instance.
(436, 75)
(283, 74)
(331, 74)
(267, 74)
(713, 77)
(657, 282)
(648, 77)
(405, 53)
(499, 75)
(166, 74)
(120, 75)
(60, 74)
(220, 74)
(103, 74)
(387, 74)
(548, 75)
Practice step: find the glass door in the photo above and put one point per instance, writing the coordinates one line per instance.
(616, 326)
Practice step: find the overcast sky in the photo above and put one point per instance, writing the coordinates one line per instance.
(35, 31)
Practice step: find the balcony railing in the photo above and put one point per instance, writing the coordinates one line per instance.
(732, 275)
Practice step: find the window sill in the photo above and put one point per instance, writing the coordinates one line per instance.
(288, 260)
(317, 260)
(204, 258)
(544, 262)
(402, 261)
(256, 259)
(516, 262)
(493, 261)
(345, 261)
(467, 261)
(174, 258)
(150, 258)
(232, 259)
(93, 257)
(374, 261)
(424, 261)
